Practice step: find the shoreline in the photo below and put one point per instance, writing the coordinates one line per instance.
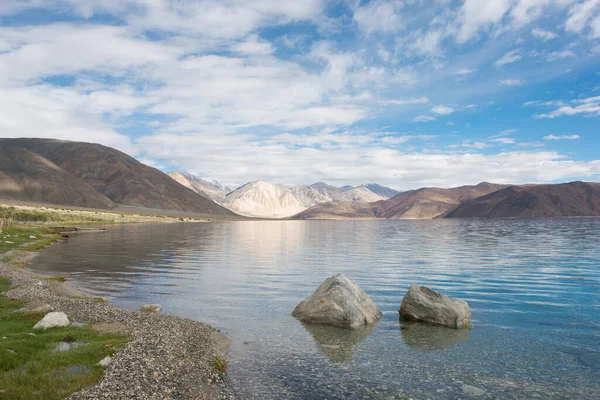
(167, 357)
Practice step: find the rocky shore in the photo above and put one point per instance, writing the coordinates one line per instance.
(167, 357)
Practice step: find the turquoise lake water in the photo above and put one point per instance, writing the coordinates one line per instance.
(533, 287)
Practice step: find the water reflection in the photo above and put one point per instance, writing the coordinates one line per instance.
(532, 287)
(424, 337)
(338, 344)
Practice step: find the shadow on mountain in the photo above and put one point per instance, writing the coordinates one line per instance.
(338, 344)
(425, 337)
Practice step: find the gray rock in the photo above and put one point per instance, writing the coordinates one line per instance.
(423, 304)
(155, 308)
(43, 309)
(52, 320)
(340, 302)
(472, 390)
(65, 346)
(105, 361)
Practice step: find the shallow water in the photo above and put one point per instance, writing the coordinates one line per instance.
(533, 287)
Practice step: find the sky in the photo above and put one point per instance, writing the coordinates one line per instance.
(405, 93)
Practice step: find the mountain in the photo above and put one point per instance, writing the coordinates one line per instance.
(262, 199)
(361, 194)
(117, 176)
(346, 188)
(212, 190)
(428, 203)
(574, 199)
(383, 191)
(330, 192)
(425, 203)
(340, 210)
(27, 176)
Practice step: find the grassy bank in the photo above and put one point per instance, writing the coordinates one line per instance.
(31, 368)
(26, 238)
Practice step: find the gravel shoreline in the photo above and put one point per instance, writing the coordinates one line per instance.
(167, 357)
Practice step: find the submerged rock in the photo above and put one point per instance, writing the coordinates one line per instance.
(52, 320)
(423, 304)
(155, 308)
(340, 302)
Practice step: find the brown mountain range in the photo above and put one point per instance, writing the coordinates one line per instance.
(574, 199)
(486, 200)
(425, 203)
(106, 171)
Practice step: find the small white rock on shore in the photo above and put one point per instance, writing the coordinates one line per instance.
(167, 357)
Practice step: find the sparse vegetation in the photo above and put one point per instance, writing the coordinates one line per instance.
(31, 369)
(25, 238)
(220, 365)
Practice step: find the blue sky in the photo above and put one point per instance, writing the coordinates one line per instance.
(404, 93)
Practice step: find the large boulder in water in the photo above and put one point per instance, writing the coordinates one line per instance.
(423, 304)
(340, 302)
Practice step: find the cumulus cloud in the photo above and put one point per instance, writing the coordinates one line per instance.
(379, 16)
(442, 110)
(209, 86)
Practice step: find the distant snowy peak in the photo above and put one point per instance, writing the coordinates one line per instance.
(266, 200)
(362, 194)
(330, 192)
(381, 190)
(213, 190)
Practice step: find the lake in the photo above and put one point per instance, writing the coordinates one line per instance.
(533, 287)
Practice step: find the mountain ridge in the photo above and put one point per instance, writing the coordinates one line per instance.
(118, 176)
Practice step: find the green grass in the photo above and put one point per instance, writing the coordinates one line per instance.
(220, 365)
(19, 239)
(29, 369)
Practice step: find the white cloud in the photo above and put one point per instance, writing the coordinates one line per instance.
(562, 137)
(476, 15)
(465, 71)
(560, 55)
(223, 18)
(544, 35)
(442, 110)
(231, 158)
(379, 16)
(418, 100)
(470, 144)
(426, 44)
(424, 118)
(511, 82)
(509, 58)
(581, 14)
(503, 140)
(587, 107)
(253, 45)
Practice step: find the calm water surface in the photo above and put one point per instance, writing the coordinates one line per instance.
(533, 286)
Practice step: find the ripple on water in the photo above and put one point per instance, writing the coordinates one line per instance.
(533, 286)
